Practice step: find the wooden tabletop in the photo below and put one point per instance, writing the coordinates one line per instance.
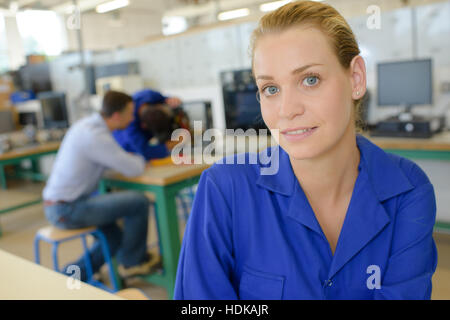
(30, 150)
(25, 280)
(163, 175)
(439, 142)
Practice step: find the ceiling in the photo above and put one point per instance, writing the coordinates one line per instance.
(134, 4)
(196, 8)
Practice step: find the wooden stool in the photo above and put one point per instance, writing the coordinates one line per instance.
(55, 236)
(132, 294)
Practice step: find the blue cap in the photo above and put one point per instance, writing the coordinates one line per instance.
(147, 96)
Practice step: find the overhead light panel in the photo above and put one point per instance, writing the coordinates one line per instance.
(173, 25)
(270, 6)
(112, 5)
(13, 6)
(233, 14)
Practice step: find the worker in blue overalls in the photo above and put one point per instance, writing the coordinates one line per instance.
(331, 216)
(135, 138)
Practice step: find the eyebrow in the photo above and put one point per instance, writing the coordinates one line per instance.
(298, 70)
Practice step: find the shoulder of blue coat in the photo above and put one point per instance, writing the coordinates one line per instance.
(241, 166)
(390, 163)
(410, 169)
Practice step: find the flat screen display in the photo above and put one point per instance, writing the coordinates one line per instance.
(54, 110)
(405, 83)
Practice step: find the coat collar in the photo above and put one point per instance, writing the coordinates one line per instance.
(383, 172)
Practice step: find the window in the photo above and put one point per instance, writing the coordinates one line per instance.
(43, 32)
(4, 64)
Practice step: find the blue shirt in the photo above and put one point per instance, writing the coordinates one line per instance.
(134, 138)
(87, 150)
(253, 236)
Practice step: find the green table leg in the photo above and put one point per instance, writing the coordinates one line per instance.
(169, 235)
(167, 226)
(2, 177)
(119, 280)
(35, 166)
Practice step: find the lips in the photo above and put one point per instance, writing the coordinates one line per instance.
(298, 134)
(297, 131)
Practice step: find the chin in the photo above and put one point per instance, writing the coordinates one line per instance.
(301, 153)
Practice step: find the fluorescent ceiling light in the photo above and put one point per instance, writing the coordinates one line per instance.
(68, 7)
(112, 5)
(13, 6)
(233, 14)
(270, 6)
(173, 25)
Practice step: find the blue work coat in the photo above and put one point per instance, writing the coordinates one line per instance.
(254, 236)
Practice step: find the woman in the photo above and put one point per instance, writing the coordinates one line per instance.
(341, 219)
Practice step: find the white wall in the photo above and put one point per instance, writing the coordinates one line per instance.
(106, 31)
(16, 52)
(393, 42)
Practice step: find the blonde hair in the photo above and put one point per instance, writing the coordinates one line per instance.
(321, 16)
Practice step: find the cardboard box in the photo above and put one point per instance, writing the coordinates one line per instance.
(6, 88)
(35, 59)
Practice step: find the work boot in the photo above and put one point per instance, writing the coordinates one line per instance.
(150, 265)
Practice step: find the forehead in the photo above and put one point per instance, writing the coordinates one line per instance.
(292, 48)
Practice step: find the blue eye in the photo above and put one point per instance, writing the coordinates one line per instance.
(270, 90)
(310, 81)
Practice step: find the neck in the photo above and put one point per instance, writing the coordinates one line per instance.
(332, 174)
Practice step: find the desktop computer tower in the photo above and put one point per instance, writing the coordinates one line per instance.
(416, 128)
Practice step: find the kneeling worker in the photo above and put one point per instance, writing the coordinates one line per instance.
(136, 136)
(86, 151)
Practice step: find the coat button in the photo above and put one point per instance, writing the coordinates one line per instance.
(328, 283)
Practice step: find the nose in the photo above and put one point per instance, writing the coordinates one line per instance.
(290, 104)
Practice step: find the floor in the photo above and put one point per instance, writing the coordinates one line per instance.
(19, 228)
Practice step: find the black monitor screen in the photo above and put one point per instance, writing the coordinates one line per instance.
(405, 83)
(242, 109)
(248, 111)
(54, 110)
(36, 77)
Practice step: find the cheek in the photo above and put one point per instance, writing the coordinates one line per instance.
(270, 117)
(337, 106)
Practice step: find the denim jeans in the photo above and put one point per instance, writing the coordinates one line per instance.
(128, 245)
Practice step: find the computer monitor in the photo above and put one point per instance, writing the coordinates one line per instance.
(247, 110)
(405, 83)
(6, 121)
(199, 111)
(54, 110)
(242, 109)
(35, 78)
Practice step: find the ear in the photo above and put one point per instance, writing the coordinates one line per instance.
(358, 77)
